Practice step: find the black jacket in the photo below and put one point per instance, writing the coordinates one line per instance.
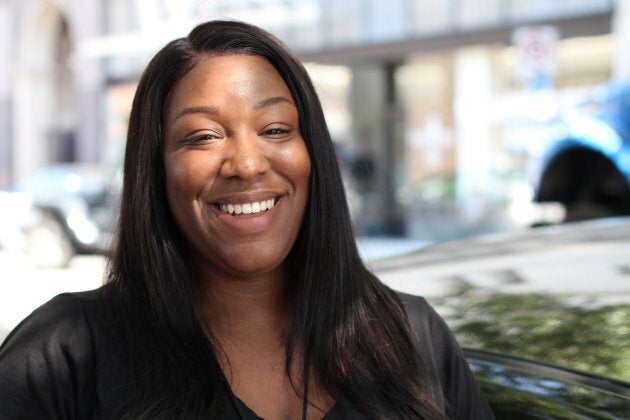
(59, 363)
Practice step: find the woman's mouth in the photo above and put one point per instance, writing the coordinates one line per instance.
(249, 208)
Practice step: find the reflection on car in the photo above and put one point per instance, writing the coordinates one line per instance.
(543, 314)
(74, 208)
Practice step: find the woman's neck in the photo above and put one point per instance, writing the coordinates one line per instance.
(255, 306)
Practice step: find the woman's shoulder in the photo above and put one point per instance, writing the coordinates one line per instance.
(451, 382)
(62, 327)
(414, 302)
(422, 316)
(59, 317)
(51, 354)
(60, 311)
(430, 330)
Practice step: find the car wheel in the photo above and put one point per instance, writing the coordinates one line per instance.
(48, 245)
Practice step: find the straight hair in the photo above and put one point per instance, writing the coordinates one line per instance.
(355, 336)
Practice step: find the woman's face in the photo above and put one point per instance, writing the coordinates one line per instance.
(237, 169)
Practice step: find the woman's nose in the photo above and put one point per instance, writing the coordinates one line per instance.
(245, 157)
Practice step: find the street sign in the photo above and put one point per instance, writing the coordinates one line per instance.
(536, 49)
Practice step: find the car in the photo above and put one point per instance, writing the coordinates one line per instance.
(585, 160)
(73, 210)
(543, 314)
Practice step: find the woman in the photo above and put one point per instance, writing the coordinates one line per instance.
(235, 290)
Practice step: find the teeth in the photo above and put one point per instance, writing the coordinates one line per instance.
(248, 208)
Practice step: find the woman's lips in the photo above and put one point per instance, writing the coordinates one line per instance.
(254, 217)
(251, 207)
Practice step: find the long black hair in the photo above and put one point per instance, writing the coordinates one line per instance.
(353, 331)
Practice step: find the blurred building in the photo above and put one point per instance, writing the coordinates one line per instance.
(430, 101)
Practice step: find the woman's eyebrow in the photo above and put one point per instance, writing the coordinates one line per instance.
(207, 110)
(272, 101)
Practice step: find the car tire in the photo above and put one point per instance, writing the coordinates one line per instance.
(48, 244)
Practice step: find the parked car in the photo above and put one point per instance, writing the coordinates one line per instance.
(73, 211)
(542, 313)
(586, 161)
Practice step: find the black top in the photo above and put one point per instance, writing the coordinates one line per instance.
(59, 364)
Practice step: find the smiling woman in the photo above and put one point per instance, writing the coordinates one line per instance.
(235, 290)
(232, 140)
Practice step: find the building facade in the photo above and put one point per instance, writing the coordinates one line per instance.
(423, 97)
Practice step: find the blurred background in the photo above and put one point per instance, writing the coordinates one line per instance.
(442, 110)
(445, 113)
(451, 117)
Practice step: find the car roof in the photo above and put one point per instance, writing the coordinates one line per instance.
(558, 295)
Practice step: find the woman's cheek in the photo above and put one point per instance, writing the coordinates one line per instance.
(183, 171)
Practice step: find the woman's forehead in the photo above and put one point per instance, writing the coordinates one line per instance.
(217, 80)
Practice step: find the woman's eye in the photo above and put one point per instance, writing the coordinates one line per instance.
(276, 132)
(201, 138)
